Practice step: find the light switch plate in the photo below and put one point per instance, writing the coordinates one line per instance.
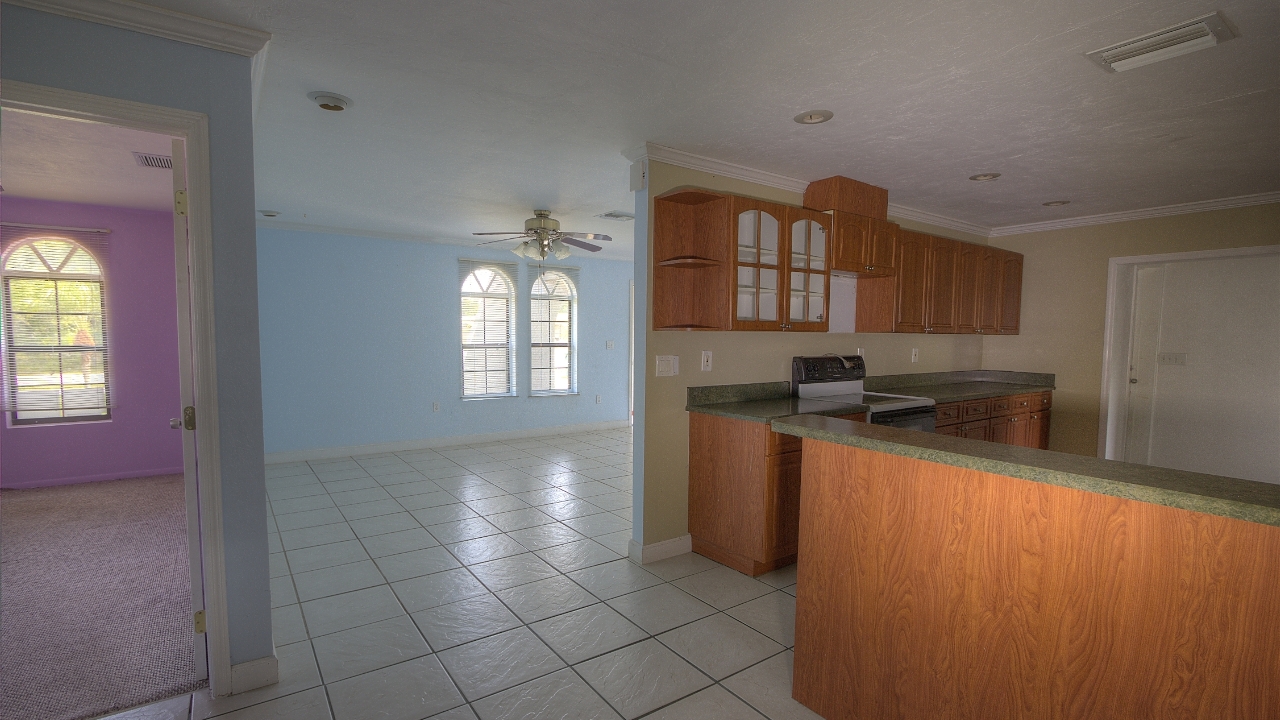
(706, 361)
(666, 365)
(608, 344)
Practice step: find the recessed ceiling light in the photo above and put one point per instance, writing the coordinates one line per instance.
(268, 213)
(984, 177)
(330, 101)
(1056, 203)
(814, 117)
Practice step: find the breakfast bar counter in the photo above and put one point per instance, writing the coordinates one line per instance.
(940, 577)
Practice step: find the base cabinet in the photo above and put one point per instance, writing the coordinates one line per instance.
(744, 493)
(1021, 420)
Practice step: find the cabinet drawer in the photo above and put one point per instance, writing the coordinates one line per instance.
(1043, 401)
(1026, 403)
(779, 443)
(1002, 406)
(975, 409)
(948, 414)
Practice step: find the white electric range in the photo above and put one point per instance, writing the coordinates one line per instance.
(838, 379)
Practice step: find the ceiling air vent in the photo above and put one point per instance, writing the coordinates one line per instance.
(1190, 36)
(617, 215)
(154, 161)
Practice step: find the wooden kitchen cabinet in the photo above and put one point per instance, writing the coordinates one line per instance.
(967, 257)
(1010, 292)
(863, 246)
(912, 302)
(847, 195)
(725, 262)
(1011, 429)
(988, 291)
(940, 286)
(744, 493)
(1010, 419)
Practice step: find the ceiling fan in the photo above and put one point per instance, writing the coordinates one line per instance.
(542, 237)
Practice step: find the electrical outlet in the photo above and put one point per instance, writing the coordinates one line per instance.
(706, 361)
(435, 407)
(915, 354)
(666, 365)
(599, 399)
(608, 344)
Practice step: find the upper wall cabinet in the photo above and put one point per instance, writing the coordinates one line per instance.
(863, 246)
(724, 262)
(847, 195)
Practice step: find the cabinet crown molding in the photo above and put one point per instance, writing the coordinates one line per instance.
(151, 20)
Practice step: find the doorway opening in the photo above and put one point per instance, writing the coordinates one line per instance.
(99, 506)
(1190, 380)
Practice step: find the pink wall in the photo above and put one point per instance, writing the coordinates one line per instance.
(143, 336)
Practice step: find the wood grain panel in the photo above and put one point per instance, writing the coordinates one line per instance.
(933, 592)
(940, 313)
(913, 266)
(847, 195)
(727, 482)
(975, 409)
(948, 414)
(967, 288)
(1010, 292)
(687, 298)
(874, 310)
(989, 290)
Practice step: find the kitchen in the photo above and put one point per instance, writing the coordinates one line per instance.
(763, 357)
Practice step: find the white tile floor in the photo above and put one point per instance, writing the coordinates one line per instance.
(492, 581)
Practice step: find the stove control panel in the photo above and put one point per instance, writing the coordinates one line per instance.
(826, 368)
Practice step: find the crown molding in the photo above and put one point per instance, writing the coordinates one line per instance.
(1146, 213)
(680, 158)
(906, 213)
(136, 16)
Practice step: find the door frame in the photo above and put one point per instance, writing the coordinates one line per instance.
(193, 128)
(1117, 337)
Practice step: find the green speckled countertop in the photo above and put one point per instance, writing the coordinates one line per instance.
(955, 392)
(1227, 497)
(760, 402)
(765, 410)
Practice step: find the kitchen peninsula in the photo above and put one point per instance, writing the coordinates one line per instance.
(940, 577)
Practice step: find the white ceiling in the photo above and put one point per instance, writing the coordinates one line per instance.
(50, 158)
(468, 115)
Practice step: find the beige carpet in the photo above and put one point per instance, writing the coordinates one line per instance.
(95, 598)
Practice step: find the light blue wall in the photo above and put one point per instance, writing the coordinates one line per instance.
(56, 51)
(361, 335)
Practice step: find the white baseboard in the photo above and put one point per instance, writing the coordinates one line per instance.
(429, 443)
(645, 554)
(255, 674)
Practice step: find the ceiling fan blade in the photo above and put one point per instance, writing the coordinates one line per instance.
(587, 236)
(507, 233)
(579, 244)
(490, 242)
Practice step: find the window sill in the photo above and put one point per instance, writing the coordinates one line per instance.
(488, 397)
(554, 393)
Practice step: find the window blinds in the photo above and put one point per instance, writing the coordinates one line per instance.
(553, 326)
(55, 330)
(488, 327)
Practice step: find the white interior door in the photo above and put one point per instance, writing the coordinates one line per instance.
(186, 414)
(1144, 348)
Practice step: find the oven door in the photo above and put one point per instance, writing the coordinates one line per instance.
(921, 418)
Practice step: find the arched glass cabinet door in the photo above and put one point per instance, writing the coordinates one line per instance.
(807, 281)
(758, 296)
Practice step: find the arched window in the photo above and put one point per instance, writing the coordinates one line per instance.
(488, 324)
(553, 319)
(55, 344)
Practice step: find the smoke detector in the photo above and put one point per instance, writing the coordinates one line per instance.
(330, 101)
(1185, 37)
(163, 162)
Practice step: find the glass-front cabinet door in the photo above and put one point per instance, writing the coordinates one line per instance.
(760, 256)
(808, 269)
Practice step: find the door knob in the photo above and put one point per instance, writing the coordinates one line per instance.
(175, 423)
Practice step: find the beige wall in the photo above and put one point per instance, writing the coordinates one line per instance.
(743, 357)
(1064, 292)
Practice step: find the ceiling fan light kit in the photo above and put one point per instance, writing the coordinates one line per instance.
(542, 237)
